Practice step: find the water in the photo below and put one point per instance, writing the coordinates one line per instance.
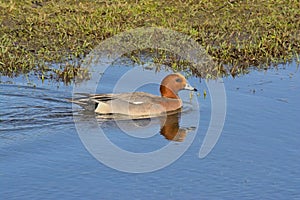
(256, 156)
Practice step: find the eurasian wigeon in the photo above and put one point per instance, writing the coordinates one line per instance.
(139, 104)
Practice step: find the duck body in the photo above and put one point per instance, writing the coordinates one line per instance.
(139, 104)
(134, 104)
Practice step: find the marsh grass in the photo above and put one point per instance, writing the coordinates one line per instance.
(237, 34)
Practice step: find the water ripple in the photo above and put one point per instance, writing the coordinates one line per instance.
(25, 108)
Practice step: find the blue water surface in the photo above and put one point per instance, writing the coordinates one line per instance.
(256, 156)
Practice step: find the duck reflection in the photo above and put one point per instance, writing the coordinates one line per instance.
(170, 128)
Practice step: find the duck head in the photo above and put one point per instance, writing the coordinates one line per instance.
(172, 84)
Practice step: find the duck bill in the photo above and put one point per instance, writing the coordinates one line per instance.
(189, 87)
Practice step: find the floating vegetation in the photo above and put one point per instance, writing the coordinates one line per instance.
(35, 35)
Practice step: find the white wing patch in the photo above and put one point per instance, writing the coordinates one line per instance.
(137, 102)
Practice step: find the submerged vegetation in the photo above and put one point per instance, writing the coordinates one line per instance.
(50, 37)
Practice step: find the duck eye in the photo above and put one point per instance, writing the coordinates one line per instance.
(179, 80)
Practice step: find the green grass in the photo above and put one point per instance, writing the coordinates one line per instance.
(34, 35)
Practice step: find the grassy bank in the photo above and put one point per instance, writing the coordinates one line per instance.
(237, 34)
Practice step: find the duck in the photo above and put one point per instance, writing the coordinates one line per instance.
(139, 104)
